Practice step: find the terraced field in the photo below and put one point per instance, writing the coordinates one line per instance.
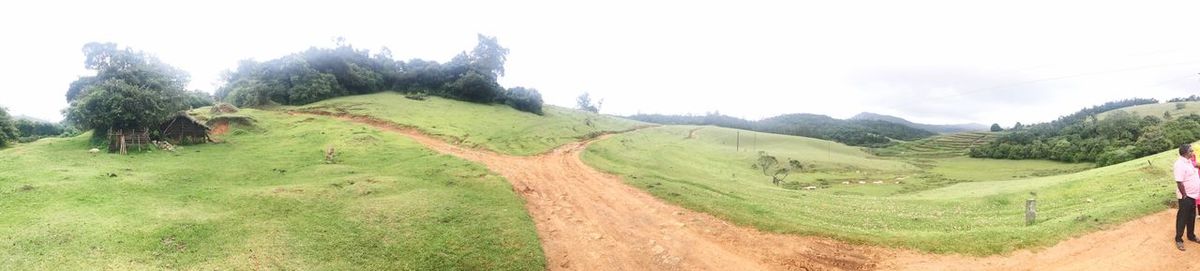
(940, 146)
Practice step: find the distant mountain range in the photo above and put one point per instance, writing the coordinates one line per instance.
(936, 128)
(867, 133)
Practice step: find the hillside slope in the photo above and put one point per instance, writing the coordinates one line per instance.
(936, 128)
(496, 127)
(264, 199)
(948, 145)
(869, 133)
(1158, 109)
(706, 174)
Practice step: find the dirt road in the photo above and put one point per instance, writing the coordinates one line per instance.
(588, 220)
(1141, 244)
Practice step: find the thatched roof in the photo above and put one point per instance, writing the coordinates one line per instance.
(184, 117)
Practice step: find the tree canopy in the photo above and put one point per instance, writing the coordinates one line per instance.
(1084, 137)
(131, 90)
(321, 73)
(8, 128)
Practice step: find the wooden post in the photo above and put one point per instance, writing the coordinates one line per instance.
(738, 147)
(121, 144)
(1031, 210)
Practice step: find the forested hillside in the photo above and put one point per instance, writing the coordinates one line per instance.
(867, 133)
(936, 128)
(1084, 137)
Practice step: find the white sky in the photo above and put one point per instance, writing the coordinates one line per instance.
(928, 61)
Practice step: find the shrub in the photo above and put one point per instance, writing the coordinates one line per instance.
(473, 87)
(524, 99)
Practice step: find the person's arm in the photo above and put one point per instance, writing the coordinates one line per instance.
(1179, 186)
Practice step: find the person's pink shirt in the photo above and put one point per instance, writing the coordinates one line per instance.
(1186, 173)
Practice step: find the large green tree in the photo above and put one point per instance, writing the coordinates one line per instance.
(131, 90)
(8, 128)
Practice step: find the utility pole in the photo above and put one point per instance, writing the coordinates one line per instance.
(738, 147)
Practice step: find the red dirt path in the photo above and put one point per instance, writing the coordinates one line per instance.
(589, 220)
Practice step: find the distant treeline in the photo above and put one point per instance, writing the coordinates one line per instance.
(322, 73)
(1085, 137)
(24, 130)
(1192, 98)
(866, 133)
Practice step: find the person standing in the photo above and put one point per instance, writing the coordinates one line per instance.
(1187, 189)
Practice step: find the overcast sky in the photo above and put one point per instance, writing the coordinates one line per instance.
(928, 61)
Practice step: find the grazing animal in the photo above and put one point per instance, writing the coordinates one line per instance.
(94, 151)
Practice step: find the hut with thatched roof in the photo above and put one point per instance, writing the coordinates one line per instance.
(184, 129)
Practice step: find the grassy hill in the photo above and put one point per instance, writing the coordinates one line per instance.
(263, 200)
(495, 127)
(981, 215)
(948, 145)
(1158, 109)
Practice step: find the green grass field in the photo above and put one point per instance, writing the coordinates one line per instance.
(264, 199)
(973, 216)
(495, 127)
(1158, 109)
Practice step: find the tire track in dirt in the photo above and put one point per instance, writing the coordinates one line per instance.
(589, 220)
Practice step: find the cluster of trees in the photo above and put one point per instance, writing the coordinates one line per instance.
(131, 90)
(855, 132)
(1192, 98)
(14, 129)
(135, 90)
(8, 128)
(1084, 137)
(322, 73)
(31, 130)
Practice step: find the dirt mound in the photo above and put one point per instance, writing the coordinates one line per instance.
(588, 220)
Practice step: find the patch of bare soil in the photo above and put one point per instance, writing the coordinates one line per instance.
(692, 133)
(219, 128)
(1142, 244)
(589, 220)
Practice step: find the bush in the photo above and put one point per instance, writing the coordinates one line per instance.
(524, 99)
(473, 87)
